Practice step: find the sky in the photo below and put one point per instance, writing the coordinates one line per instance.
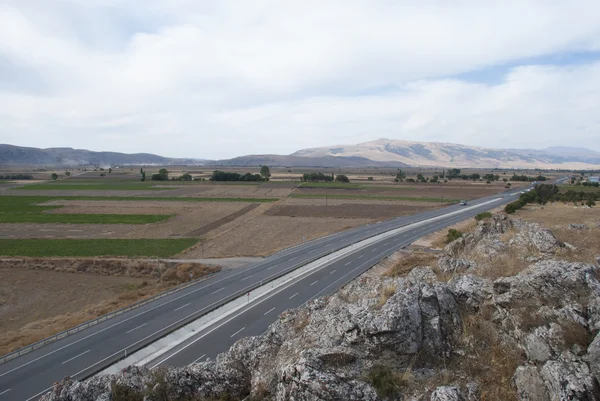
(219, 79)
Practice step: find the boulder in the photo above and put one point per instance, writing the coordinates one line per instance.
(578, 227)
(447, 264)
(470, 291)
(569, 378)
(448, 393)
(529, 384)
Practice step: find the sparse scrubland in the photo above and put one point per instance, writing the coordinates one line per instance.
(507, 311)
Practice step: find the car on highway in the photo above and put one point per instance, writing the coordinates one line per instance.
(463, 202)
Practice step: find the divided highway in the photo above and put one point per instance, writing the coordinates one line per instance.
(82, 354)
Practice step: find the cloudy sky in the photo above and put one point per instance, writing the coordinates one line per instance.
(217, 79)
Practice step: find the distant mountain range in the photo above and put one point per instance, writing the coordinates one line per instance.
(391, 152)
(21, 156)
(378, 153)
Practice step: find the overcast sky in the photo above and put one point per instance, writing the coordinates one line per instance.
(217, 79)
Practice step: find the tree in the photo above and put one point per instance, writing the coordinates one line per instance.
(400, 175)
(342, 178)
(186, 177)
(370, 178)
(143, 178)
(265, 172)
(54, 176)
(67, 173)
(109, 170)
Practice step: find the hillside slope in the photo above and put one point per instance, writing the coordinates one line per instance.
(448, 154)
(11, 155)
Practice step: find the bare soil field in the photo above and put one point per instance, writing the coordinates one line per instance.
(450, 191)
(238, 191)
(348, 210)
(264, 235)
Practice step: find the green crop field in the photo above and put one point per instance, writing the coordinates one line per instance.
(26, 209)
(151, 248)
(65, 185)
(374, 197)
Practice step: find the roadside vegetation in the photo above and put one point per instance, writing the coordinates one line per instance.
(134, 248)
(544, 193)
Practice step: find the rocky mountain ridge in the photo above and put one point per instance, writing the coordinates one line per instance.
(460, 329)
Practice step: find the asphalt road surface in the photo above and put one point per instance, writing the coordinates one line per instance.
(84, 353)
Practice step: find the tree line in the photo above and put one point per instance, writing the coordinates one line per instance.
(16, 177)
(544, 193)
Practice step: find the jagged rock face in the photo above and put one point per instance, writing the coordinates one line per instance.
(534, 235)
(470, 291)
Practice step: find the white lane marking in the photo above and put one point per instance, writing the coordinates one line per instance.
(40, 393)
(293, 295)
(373, 250)
(333, 271)
(272, 267)
(118, 323)
(385, 244)
(5, 391)
(311, 251)
(269, 311)
(295, 257)
(77, 356)
(182, 306)
(220, 289)
(136, 328)
(314, 282)
(246, 278)
(348, 263)
(203, 355)
(360, 256)
(237, 332)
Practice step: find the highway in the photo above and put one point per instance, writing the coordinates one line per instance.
(84, 353)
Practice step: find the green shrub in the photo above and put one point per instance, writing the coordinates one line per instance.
(453, 235)
(387, 382)
(120, 392)
(482, 216)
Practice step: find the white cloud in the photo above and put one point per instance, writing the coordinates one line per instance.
(219, 79)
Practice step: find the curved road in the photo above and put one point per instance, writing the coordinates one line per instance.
(82, 354)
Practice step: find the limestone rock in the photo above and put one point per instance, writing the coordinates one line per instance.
(448, 393)
(529, 384)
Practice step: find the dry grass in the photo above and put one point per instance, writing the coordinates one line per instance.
(57, 301)
(386, 294)
(505, 264)
(557, 218)
(408, 262)
(487, 359)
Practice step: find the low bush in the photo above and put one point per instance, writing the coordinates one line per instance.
(483, 216)
(452, 235)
